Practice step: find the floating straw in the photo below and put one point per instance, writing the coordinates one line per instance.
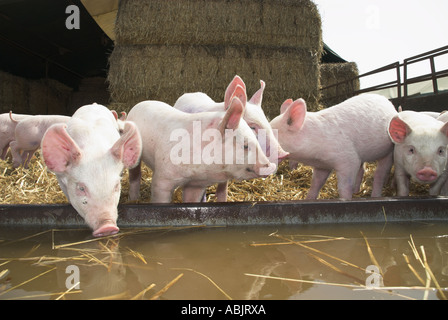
(68, 290)
(142, 293)
(164, 289)
(208, 278)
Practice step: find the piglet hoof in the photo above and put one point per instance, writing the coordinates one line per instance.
(106, 229)
(267, 170)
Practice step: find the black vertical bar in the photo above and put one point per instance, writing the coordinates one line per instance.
(433, 76)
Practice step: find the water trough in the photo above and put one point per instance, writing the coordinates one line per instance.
(240, 213)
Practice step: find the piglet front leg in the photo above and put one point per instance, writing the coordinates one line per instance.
(135, 175)
(162, 189)
(193, 194)
(318, 180)
(221, 191)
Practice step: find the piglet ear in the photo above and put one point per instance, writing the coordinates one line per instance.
(398, 130)
(257, 98)
(444, 129)
(285, 105)
(128, 148)
(239, 93)
(59, 150)
(233, 116)
(230, 91)
(295, 114)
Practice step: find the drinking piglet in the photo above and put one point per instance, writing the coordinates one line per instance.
(88, 156)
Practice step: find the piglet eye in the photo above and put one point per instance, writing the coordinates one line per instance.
(411, 150)
(441, 151)
(81, 189)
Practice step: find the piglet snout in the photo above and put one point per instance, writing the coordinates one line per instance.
(427, 174)
(106, 228)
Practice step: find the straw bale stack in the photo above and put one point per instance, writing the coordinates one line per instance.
(92, 89)
(48, 96)
(13, 93)
(166, 48)
(332, 73)
(43, 96)
(278, 23)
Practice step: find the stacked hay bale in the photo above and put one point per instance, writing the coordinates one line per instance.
(43, 96)
(92, 89)
(166, 48)
(332, 73)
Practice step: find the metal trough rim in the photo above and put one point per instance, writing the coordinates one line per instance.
(364, 210)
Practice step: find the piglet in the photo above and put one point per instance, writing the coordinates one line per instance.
(28, 136)
(88, 156)
(420, 150)
(254, 116)
(196, 150)
(8, 123)
(342, 138)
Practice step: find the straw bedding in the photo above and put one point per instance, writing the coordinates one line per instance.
(38, 186)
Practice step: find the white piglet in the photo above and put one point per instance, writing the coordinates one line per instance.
(28, 136)
(194, 150)
(7, 130)
(254, 116)
(88, 156)
(339, 138)
(420, 150)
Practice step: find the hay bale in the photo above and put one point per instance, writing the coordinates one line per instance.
(44, 96)
(90, 90)
(164, 73)
(166, 48)
(332, 73)
(292, 23)
(48, 96)
(13, 93)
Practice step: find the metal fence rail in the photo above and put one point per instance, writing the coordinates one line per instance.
(402, 89)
